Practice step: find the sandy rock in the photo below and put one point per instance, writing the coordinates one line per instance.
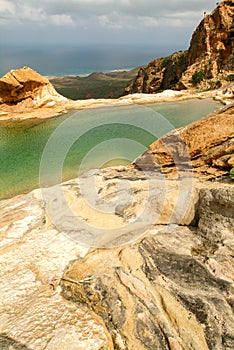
(200, 148)
(33, 257)
(167, 291)
(159, 74)
(226, 95)
(167, 287)
(216, 215)
(230, 161)
(211, 49)
(24, 89)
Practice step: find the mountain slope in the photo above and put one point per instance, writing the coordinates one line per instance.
(208, 64)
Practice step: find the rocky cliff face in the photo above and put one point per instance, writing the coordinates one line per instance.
(160, 74)
(24, 89)
(212, 47)
(211, 52)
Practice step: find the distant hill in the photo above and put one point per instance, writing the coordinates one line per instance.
(95, 85)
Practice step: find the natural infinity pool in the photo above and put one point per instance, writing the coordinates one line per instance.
(104, 136)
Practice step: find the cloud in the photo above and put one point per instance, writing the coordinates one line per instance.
(62, 20)
(7, 7)
(102, 11)
(7, 11)
(110, 23)
(103, 18)
(31, 14)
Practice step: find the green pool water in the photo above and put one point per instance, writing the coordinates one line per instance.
(96, 137)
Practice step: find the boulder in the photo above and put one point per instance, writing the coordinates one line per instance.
(24, 89)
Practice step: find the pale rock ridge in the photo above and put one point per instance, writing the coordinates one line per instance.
(33, 314)
(171, 290)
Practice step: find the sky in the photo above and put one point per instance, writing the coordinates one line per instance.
(128, 22)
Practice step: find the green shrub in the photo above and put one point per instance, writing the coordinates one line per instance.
(229, 77)
(231, 173)
(198, 77)
(166, 61)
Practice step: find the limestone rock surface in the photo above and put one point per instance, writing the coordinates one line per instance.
(160, 74)
(126, 258)
(171, 289)
(33, 314)
(167, 287)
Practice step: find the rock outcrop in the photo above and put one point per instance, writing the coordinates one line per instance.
(205, 147)
(160, 74)
(210, 55)
(24, 89)
(25, 94)
(212, 48)
(161, 275)
(172, 288)
(33, 314)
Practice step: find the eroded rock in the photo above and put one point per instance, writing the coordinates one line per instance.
(210, 55)
(160, 292)
(33, 315)
(24, 89)
(203, 147)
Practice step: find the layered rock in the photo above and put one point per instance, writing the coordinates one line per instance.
(170, 290)
(161, 275)
(33, 314)
(204, 147)
(160, 74)
(25, 94)
(212, 48)
(24, 89)
(211, 53)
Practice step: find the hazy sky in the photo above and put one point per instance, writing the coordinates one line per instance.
(154, 22)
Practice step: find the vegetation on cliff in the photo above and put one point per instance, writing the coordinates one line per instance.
(211, 51)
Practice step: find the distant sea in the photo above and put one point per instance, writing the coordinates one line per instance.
(77, 59)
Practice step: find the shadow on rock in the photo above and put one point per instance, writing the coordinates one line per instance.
(7, 343)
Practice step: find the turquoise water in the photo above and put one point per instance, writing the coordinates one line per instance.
(98, 137)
